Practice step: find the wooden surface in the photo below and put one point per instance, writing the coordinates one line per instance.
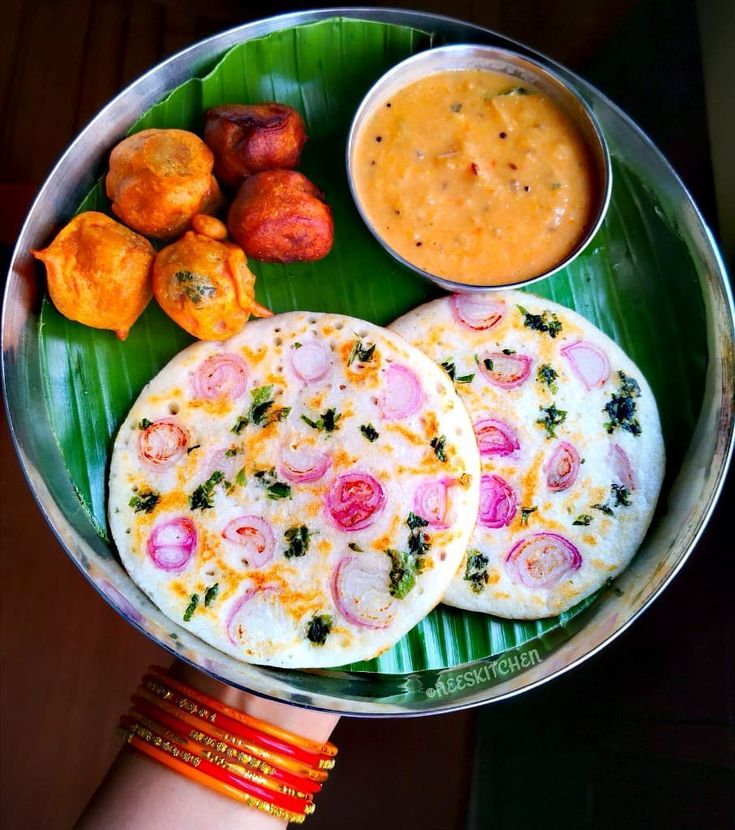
(69, 662)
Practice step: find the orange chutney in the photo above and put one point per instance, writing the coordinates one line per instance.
(472, 177)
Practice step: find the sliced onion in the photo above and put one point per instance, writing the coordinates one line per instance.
(218, 459)
(354, 499)
(477, 311)
(172, 543)
(508, 370)
(161, 444)
(495, 437)
(498, 502)
(303, 463)
(621, 467)
(311, 361)
(588, 362)
(255, 536)
(431, 500)
(542, 560)
(257, 619)
(402, 395)
(562, 467)
(360, 590)
(221, 376)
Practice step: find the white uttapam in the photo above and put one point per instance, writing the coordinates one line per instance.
(261, 489)
(570, 443)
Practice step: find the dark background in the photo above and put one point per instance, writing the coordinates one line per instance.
(639, 736)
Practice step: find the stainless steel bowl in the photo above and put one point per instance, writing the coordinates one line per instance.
(521, 69)
(691, 497)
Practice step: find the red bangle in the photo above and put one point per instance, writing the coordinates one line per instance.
(183, 763)
(154, 691)
(284, 802)
(158, 721)
(325, 750)
(211, 715)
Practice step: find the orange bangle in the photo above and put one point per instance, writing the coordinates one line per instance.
(168, 727)
(155, 691)
(184, 763)
(327, 749)
(242, 726)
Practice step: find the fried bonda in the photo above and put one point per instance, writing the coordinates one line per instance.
(250, 138)
(280, 216)
(204, 283)
(159, 179)
(99, 272)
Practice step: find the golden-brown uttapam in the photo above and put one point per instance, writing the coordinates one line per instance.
(570, 443)
(261, 489)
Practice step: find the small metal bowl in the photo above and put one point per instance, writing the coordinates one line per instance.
(520, 68)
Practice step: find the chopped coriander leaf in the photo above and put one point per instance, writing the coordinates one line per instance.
(354, 546)
(525, 513)
(545, 322)
(418, 540)
(509, 351)
(476, 570)
(232, 452)
(191, 449)
(402, 576)
(547, 375)
(449, 367)
(466, 378)
(439, 445)
(201, 498)
(621, 407)
(414, 521)
(260, 412)
(604, 508)
(584, 519)
(191, 607)
(488, 364)
(621, 495)
(241, 478)
(318, 629)
(516, 90)
(195, 286)
(144, 423)
(210, 595)
(550, 417)
(296, 345)
(327, 421)
(144, 501)
(361, 352)
(369, 431)
(274, 489)
(298, 539)
(240, 424)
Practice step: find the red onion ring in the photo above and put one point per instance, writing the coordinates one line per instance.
(562, 467)
(509, 370)
(588, 362)
(360, 590)
(354, 499)
(402, 394)
(221, 376)
(311, 361)
(542, 560)
(476, 311)
(172, 543)
(495, 437)
(303, 464)
(238, 606)
(255, 536)
(498, 502)
(621, 467)
(431, 500)
(161, 444)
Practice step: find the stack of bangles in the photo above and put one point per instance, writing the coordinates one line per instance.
(256, 763)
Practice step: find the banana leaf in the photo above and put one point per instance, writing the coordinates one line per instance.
(636, 282)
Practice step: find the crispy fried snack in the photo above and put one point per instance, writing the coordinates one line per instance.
(249, 138)
(99, 272)
(204, 284)
(280, 216)
(159, 179)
